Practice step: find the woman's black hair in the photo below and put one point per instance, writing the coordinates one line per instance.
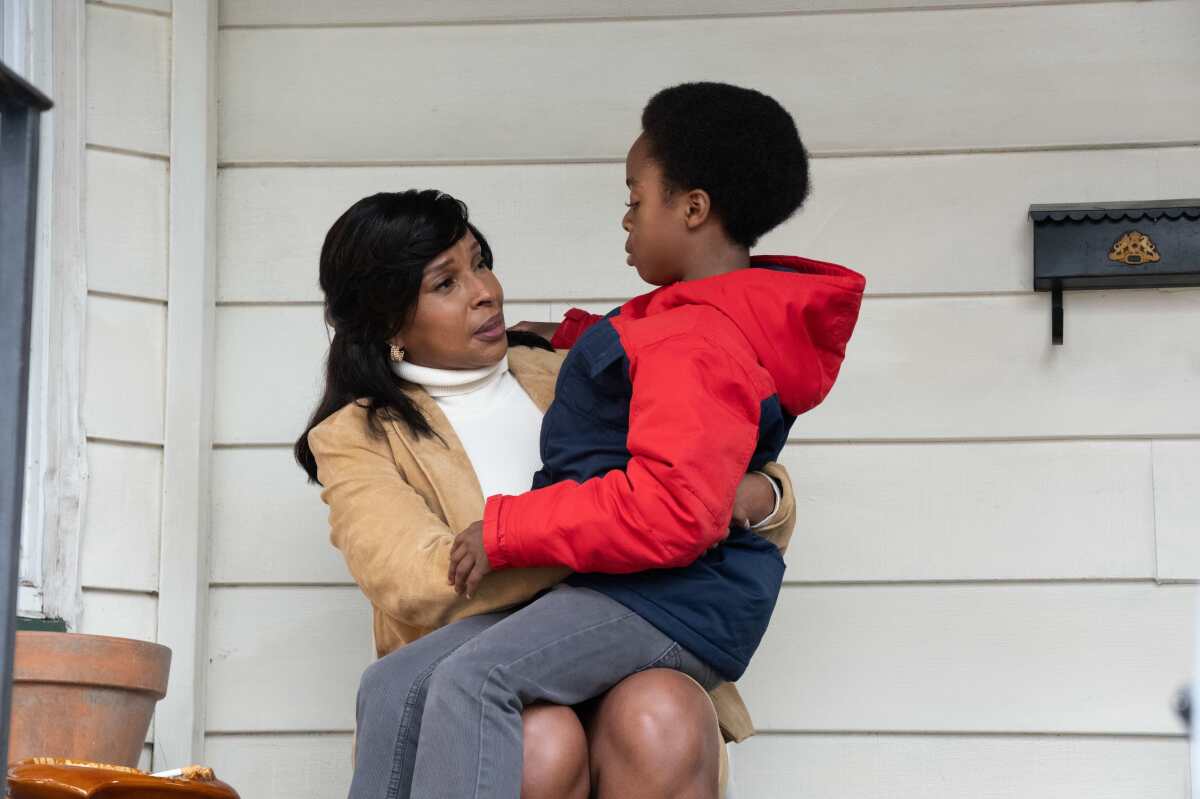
(371, 267)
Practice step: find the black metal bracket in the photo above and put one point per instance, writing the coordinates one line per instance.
(1056, 314)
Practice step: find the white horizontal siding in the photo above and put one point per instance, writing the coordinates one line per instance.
(980, 767)
(1177, 509)
(262, 506)
(286, 658)
(120, 539)
(1059, 658)
(993, 511)
(575, 91)
(421, 12)
(127, 224)
(128, 64)
(1097, 658)
(945, 512)
(290, 766)
(125, 363)
(917, 368)
(124, 614)
(913, 225)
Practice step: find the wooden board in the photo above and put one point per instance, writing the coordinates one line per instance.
(911, 224)
(128, 89)
(981, 767)
(917, 368)
(119, 613)
(124, 365)
(1177, 509)
(127, 224)
(279, 766)
(976, 511)
(576, 91)
(269, 524)
(120, 539)
(866, 512)
(426, 12)
(286, 658)
(1060, 658)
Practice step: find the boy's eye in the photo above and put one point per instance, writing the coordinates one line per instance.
(631, 205)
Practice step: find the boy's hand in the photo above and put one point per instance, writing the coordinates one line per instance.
(468, 560)
(544, 329)
(755, 499)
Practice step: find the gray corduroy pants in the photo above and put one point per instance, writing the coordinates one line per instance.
(441, 717)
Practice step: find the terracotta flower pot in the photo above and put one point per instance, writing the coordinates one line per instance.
(84, 697)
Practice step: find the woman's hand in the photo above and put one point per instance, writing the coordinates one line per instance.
(755, 499)
(469, 560)
(544, 329)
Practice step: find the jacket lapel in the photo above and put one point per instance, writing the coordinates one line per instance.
(443, 462)
(441, 459)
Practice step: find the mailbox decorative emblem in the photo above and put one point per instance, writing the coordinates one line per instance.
(1134, 249)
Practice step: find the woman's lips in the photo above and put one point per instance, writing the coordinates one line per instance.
(492, 330)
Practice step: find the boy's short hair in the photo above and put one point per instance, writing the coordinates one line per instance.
(739, 145)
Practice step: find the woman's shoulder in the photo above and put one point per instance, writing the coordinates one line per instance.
(350, 423)
(535, 359)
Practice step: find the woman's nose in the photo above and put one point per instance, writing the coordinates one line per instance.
(485, 291)
(626, 222)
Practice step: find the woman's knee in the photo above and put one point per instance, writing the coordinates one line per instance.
(556, 754)
(659, 721)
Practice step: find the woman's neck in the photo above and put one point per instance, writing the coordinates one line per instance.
(450, 382)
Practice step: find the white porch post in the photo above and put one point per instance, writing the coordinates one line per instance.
(184, 558)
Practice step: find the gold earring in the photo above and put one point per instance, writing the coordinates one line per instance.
(397, 354)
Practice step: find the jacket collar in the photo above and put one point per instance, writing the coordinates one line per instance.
(442, 458)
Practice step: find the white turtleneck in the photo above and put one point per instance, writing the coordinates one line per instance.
(497, 422)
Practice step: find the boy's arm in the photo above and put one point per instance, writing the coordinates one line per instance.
(693, 425)
(575, 321)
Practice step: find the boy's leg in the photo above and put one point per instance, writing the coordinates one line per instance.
(391, 696)
(566, 647)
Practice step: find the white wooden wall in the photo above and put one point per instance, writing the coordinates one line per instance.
(127, 70)
(990, 584)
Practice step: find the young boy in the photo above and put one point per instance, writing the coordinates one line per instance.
(661, 407)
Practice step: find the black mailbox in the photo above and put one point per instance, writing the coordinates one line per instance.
(1114, 245)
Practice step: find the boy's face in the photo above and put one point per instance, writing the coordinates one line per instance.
(656, 225)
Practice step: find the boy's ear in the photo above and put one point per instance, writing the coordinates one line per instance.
(697, 207)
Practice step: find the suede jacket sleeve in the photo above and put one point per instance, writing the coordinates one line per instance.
(693, 425)
(396, 547)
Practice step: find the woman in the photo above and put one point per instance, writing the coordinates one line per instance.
(426, 410)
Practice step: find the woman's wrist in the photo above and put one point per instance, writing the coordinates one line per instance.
(770, 517)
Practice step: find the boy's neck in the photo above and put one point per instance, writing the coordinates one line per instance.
(715, 256)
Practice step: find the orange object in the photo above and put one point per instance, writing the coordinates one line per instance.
(84, 697)
(50, 778)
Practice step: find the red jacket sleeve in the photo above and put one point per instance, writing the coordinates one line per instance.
(572, 326)
(693, 425)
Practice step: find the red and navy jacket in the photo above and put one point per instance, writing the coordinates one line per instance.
(660, 409)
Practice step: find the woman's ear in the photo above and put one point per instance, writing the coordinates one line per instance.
(697, 206)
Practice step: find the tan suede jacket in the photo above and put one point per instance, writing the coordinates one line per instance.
(397, 501)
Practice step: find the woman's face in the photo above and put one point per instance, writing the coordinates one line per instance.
(459, 319)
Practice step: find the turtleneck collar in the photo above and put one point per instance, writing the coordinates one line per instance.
(451, 382)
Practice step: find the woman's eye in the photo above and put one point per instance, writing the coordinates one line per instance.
(631, 205)
(482, 265)
(445, 284)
